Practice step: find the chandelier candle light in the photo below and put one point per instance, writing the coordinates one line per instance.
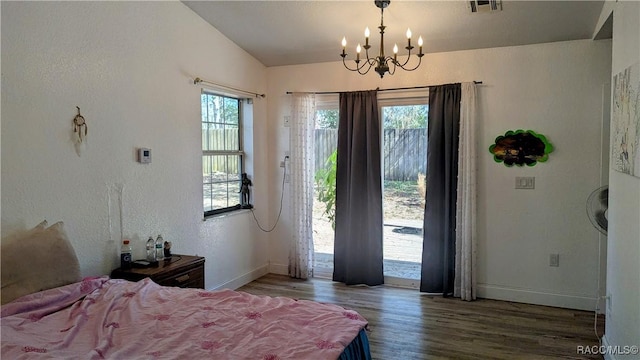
(383, 64)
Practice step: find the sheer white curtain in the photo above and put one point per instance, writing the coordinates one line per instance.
(302, 167)
(465, 273)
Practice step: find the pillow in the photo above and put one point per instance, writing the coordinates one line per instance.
(37, 261)
(24, 233)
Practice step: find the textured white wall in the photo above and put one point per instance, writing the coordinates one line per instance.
(554, 89)
(129, 67)
(623, 251)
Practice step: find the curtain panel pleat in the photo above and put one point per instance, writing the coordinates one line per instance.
(358, 234)
(438, 255)
(465, 278)
(302, 170)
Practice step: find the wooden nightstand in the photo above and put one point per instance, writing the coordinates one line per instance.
(181, 270)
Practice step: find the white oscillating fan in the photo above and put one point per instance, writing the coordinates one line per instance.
(597, 207)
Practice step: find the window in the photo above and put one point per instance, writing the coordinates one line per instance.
(222, 155)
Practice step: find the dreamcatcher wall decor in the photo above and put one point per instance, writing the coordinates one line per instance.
(79, 124)
(81, 129)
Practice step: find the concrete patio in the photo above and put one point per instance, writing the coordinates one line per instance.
(402, 249)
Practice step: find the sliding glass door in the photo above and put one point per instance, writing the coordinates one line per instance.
(404, 146)
(326, 145)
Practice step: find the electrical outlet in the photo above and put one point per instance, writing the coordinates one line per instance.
(554, 260)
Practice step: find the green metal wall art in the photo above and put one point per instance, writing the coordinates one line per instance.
(521, 147)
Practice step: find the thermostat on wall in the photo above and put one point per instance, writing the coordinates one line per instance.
(144, 156)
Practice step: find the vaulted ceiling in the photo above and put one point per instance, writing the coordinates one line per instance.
(300, 32)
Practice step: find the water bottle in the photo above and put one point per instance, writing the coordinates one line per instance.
(125, 255)
(151, 249)
(159, 248)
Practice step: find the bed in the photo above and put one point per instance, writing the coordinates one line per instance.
(104, 318)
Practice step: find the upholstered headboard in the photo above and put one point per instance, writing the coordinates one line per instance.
(37, 259)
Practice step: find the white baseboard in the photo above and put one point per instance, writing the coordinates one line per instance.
(280, 269)
(244, 279)
(536, 297)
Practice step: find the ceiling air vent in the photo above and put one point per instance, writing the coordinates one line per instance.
(485, 5)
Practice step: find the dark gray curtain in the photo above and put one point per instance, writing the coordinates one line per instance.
(438, 253)
(358, 236)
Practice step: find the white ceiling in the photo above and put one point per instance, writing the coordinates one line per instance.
(301, 32)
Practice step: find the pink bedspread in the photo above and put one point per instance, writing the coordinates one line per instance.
(116, 319)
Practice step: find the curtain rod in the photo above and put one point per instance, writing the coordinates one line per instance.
(378, 89)
(198, 80)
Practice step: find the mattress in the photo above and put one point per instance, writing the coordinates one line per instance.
(103, 318)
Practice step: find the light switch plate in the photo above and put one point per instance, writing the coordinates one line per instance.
(554, 260)
(525, 182)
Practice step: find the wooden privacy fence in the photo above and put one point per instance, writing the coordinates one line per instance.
(405, 154)
(325, 143)
(220, 139)
(404, 151)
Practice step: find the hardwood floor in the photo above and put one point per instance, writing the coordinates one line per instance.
(406, 325)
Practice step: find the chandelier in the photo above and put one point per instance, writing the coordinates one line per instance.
(382, 63)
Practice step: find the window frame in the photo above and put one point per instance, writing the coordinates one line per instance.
(240, 153)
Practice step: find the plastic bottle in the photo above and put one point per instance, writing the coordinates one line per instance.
(159, 248)
(151, 249)
(125, 255)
